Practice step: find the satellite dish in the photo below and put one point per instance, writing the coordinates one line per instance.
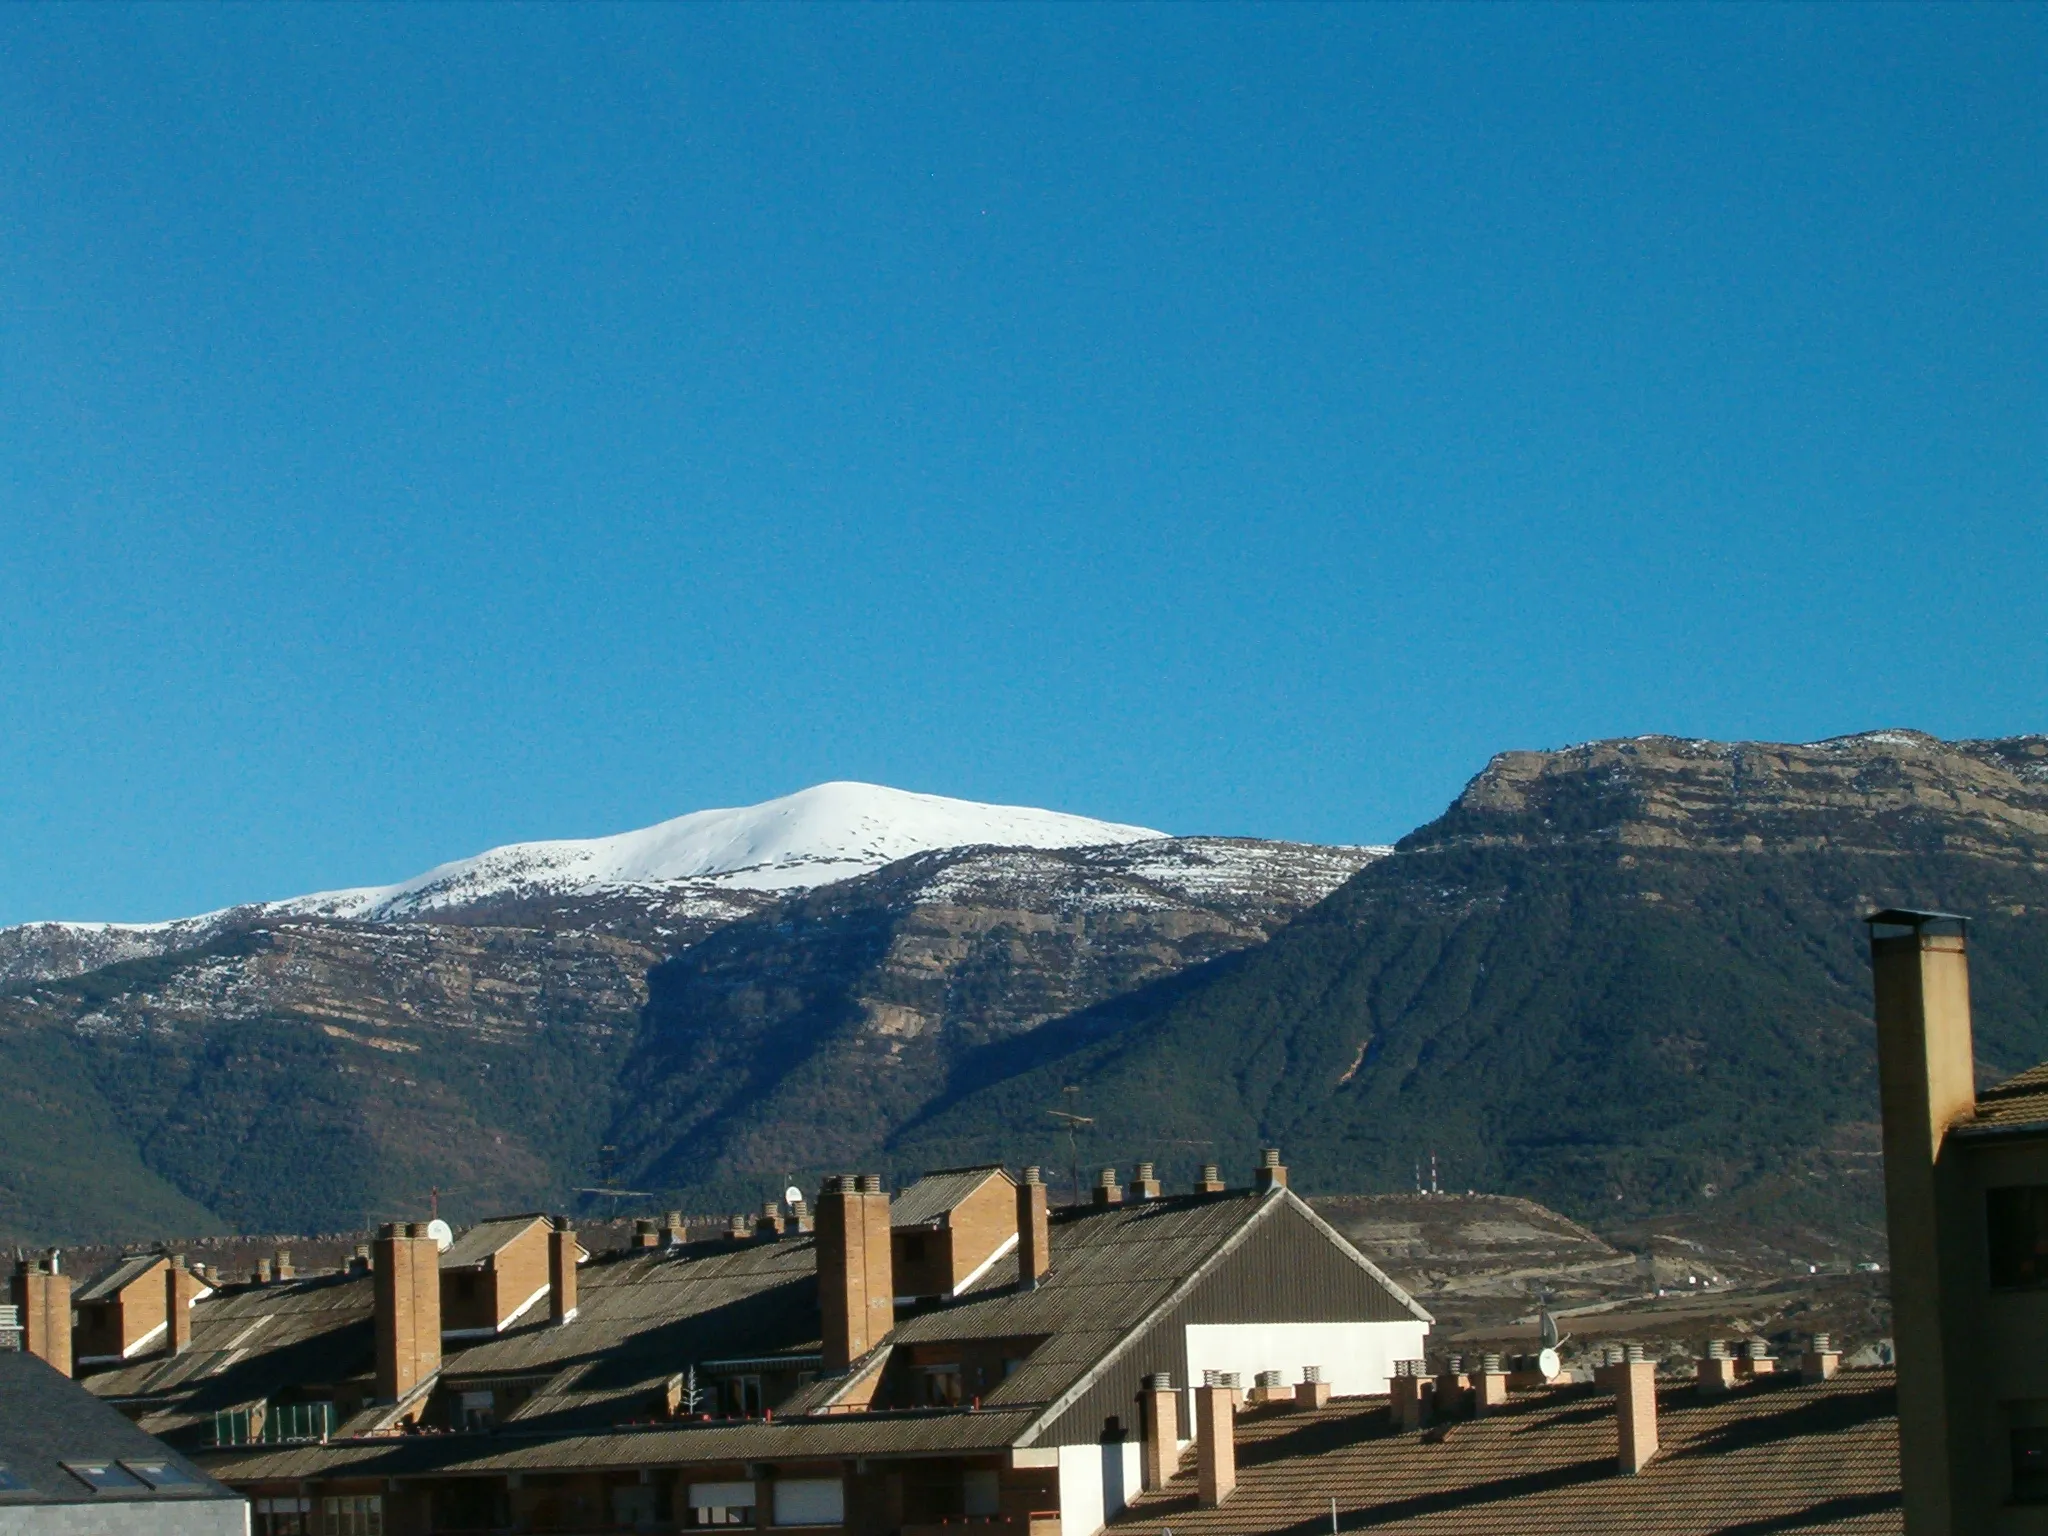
(442, 1234)
(1548, 1363)
(793, 1195)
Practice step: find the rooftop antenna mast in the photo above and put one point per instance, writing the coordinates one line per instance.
(1074, 1123)
(608, 1181)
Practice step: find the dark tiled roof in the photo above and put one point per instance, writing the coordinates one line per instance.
(47, 1420)
(249, 1343)
(2016, 1102)
(643, 1316)
(485, 1239)
(110, 1280)
(1773, 1457)
(779, 1440)
(939, 1193)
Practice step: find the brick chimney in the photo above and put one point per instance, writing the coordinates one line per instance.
(561, 1271)
(1034, 1231)
(1311, 1391)
(1635, 1409)
(263, 1271)
(1144, 1183)
(856, 1274)
(1717, 1370)
(1452, 1383)
(41, 1293)
(406, 1276)
(646, 1234)
(1920, 974)
(180, 1287)
(281, 1265)
(673, 1233)
(1411, 1393)
(741, 1226)
(800, 1215)
(1211, 1181)
(1271, 1172)
(769, 1223)
(1490, 1387)
(1821, 1360)
(1757, 1359)
(1215, 1443)
(1161, 1407)
(1106, 1190)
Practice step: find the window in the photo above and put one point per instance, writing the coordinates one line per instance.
(2030, 1466)
(283, 1517)
(104, 1476)
(478, 1410)
(743, 1396)
(941, 1386)
(353, 1514)
(2016, 1220)
(810, 1501)
(165, 1477)
(980, 1492)
(721, 1503)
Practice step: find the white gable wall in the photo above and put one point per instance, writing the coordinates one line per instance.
(1355, 1358)
(1096, 1481)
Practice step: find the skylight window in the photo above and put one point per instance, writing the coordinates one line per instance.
(164, 1476)
(104, 1476)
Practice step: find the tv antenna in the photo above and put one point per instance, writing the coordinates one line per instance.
(608, 1181)
(1073, 1123)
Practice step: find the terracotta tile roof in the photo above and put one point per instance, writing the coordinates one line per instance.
(1773, 1457)
(2016, 1102)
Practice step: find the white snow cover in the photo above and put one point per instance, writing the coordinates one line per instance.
(813, 837)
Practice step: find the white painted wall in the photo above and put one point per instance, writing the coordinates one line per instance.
(1356, 1358)
(1095, 1482)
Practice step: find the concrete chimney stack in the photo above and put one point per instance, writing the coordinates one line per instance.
(856, 1272)
(1920, 974)
(1271, 1172)
(406, 1280)
(41, 1293)
(1161, 1407)
(1034, 1231)
(1106, 1190)
(1215, 1441)
(561, 1271)
(1635, 1409)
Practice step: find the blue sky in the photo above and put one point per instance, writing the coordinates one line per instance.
(426, 428)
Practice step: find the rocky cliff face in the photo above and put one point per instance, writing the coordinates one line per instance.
(1623, 979)
(802, 1039)
(1895, 792)
(290, 1072)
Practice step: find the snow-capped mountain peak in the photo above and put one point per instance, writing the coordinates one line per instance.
(813, 837)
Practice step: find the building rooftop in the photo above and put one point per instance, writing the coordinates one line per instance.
(2012, 1105)
(1774, 1456)
(48, 1425)
(486, 1238)
(116, 1277)
(939, 1193)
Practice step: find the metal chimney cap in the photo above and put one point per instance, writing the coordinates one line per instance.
(1907, 917)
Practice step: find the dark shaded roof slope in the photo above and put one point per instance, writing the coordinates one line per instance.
(485, 1239)
(2017, 1103)
(939, 1193)
(778, 1440)
(249, 1343)
(110, 1280)
(1776, 1456)
(47, 1420)
(642, 1316)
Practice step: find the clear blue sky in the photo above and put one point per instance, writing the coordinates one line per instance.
(427, 428)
